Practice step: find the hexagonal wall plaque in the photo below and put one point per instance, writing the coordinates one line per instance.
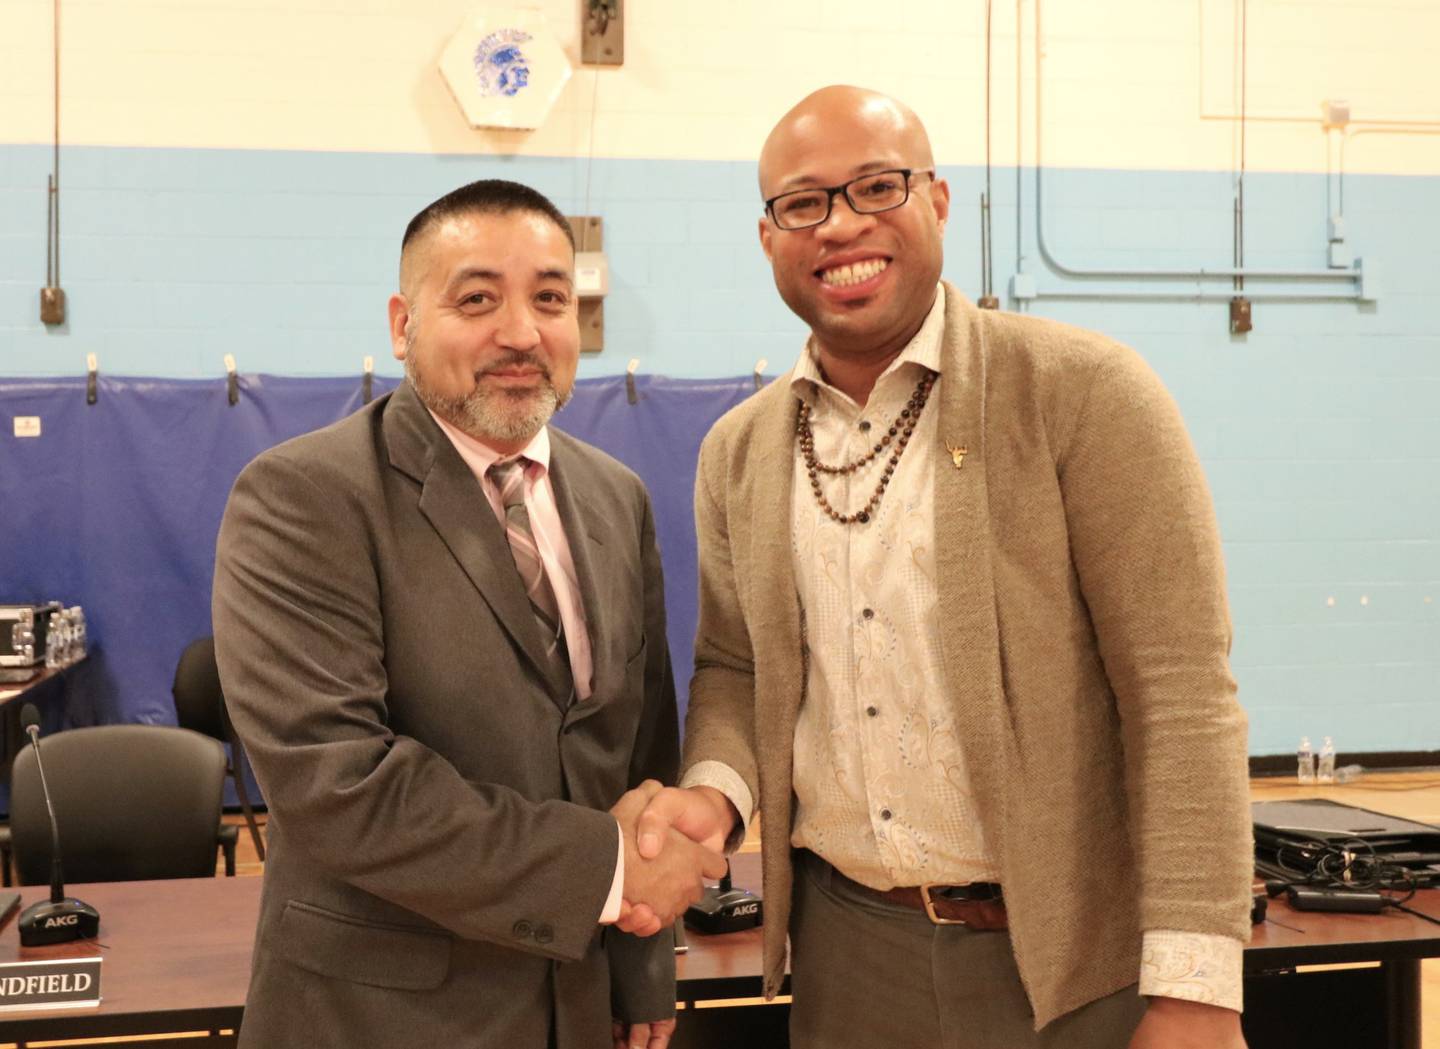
(504, 68)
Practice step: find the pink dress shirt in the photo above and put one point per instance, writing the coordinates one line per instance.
(549, 537)
(559, 566)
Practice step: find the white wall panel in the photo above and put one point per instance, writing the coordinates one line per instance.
(1128, 83)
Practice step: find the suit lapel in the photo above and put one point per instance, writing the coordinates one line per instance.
(452, 501)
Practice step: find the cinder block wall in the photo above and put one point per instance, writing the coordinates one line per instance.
(236, 175)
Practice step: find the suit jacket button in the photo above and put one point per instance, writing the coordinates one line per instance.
(543, 933)
(522, 929)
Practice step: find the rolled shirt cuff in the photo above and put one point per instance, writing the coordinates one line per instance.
(1193, 966)
(727, 781)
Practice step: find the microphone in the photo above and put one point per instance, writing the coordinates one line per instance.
(58, 919)
(725, 909)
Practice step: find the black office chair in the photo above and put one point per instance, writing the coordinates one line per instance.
(134, 802)
(200, 706)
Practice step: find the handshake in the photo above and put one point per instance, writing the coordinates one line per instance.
(673, 839)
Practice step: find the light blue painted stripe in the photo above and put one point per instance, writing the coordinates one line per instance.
(1319, 431)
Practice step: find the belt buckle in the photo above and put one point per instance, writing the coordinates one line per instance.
(929, 903)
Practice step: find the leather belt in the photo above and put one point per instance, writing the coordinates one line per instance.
(943, 907)
(979, 905)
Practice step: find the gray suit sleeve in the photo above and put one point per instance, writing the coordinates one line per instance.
(300, 642)
(642, 971)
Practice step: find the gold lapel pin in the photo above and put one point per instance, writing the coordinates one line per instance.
(957, 454)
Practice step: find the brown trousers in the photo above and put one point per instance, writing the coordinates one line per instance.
(867, 974)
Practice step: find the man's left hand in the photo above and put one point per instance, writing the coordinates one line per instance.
(1171, 1023)
(654, 1035)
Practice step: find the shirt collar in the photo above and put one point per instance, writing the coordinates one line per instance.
(480, 456)
(923, 349)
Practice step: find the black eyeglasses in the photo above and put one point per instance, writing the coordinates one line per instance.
(866, 195)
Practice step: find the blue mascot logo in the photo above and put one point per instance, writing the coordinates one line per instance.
(500, 65)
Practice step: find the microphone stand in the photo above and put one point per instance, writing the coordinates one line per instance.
(58, 919)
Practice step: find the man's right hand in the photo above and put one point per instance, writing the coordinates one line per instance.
(702, 814)
(669, 880)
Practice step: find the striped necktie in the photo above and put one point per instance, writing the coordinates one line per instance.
(509, 478)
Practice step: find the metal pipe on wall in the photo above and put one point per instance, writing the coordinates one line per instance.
(1352, 274)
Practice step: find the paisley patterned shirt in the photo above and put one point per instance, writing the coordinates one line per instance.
(880, 783)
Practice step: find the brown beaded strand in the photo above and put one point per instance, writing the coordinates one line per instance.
(910, 411)
(899, 432)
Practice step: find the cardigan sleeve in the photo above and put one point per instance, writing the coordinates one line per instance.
(1147, 553)
(719, 721)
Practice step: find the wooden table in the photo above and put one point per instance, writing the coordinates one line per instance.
(1314, 977)
(13, 697)
(177, 958)
(11, 691)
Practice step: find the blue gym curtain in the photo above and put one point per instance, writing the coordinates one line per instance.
(116, 505)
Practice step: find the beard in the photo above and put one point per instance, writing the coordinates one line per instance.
(511, 416)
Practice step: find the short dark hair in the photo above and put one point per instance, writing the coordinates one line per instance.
(488, 196)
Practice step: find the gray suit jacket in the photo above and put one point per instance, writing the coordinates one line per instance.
(439, 845)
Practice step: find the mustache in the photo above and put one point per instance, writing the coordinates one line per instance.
(516, 359)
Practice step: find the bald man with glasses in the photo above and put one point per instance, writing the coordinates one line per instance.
(963, 642)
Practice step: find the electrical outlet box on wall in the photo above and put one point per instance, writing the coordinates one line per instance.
(52, 306)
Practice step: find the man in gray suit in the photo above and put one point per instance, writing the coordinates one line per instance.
(441, 630)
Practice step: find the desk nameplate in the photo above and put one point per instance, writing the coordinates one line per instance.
(55, 983)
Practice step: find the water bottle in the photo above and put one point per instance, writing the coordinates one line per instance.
(1325, 773)
(54, 644)
(1305, 762)
(77, 633)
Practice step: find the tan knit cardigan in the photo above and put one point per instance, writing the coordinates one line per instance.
(1085, 639)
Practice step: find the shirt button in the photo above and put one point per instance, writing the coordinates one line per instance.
(884, 814)
(868, 613)
(865, 424)
(871, 711)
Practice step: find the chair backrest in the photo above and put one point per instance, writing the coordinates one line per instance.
(199, 701)
(133, 802)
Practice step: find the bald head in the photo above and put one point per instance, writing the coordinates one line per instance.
(863, 274)
(807, 132)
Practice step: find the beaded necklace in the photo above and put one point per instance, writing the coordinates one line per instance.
(898, 434)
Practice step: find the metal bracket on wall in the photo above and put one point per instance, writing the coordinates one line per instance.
(1241, 315)
(589, 231)
(602, 32)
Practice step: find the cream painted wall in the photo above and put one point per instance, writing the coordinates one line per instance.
(1138, 84)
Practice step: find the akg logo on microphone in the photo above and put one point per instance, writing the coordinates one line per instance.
(62, 919)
